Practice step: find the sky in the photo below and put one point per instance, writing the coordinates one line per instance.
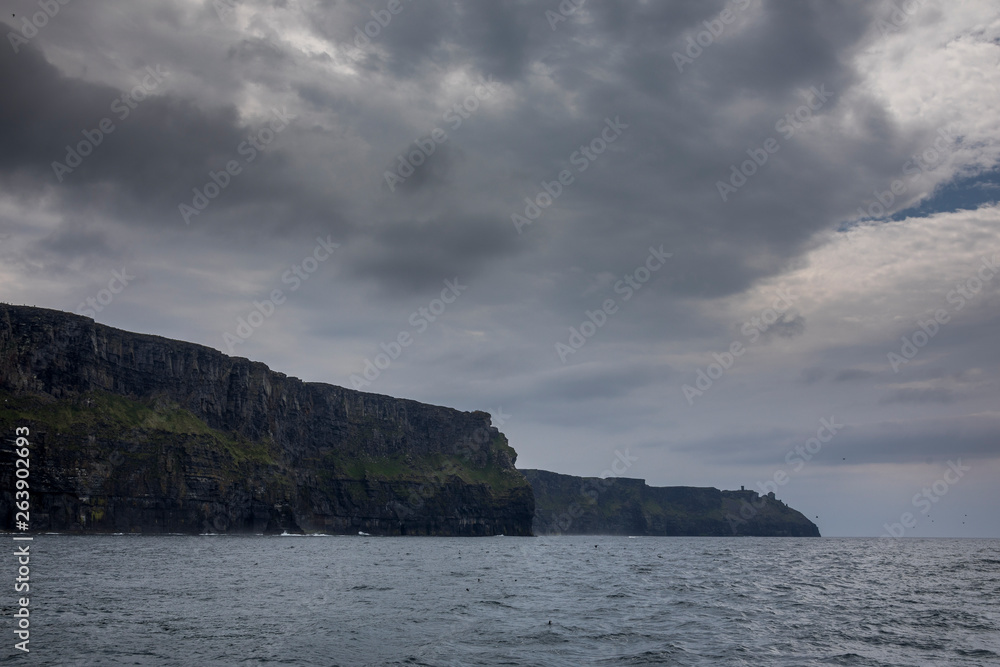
(745, 243)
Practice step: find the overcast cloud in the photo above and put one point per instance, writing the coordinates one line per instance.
(783, 189)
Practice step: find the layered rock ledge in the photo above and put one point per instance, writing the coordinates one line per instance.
(138, 433)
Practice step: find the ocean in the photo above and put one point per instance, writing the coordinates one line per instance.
(324, 600)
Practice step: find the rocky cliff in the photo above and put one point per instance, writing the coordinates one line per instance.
(568, 505)
(137, 433)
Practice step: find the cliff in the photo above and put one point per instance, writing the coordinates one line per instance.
(137, 433)
(570, 505)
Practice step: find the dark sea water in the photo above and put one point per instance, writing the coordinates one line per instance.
(216, 600)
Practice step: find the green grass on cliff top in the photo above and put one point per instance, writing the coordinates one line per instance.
(112, 417)
(439, 467)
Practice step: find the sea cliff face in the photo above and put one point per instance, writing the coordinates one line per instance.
(137, 433)
(569, 505)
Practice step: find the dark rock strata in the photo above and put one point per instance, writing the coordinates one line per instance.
(568, 505)
(137, 433)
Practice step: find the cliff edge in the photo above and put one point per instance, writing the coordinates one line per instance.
(138, 433)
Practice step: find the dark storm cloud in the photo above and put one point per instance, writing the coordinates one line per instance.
(433, 172)
(142, 153)
(686, 140)
(687, 155)
(788, 44)
(685, 130)
(501, 35)
(159, 149)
